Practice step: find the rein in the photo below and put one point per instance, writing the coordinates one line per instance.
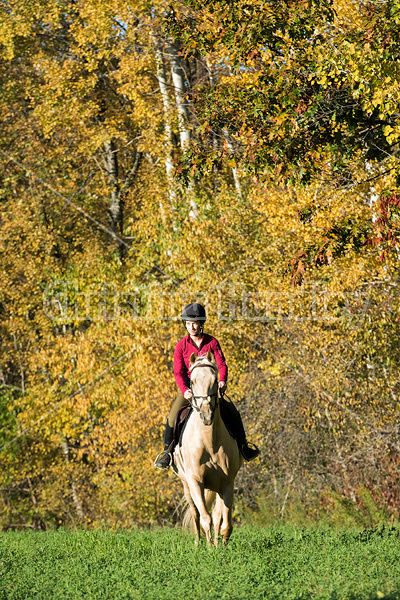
(203, 398)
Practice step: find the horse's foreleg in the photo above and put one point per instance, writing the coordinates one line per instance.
(197, 493)
(227, 504)
(217, 518)
(194, 513)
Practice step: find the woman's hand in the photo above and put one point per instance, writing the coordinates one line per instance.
(187, 395)
(222, 386)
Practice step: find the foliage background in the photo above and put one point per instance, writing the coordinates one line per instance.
(244, 155)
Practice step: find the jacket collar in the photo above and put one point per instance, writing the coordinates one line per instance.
(192, 342)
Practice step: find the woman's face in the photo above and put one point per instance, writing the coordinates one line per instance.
(193, 327)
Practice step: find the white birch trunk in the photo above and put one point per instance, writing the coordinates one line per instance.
(163, 85)
(178, 81)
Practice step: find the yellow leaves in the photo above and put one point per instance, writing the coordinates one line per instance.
(378, 97)
(392, 134)
(351, 49)
(387, 130)
(245, 79)
(276, 369)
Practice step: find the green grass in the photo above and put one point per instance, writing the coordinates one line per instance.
(278, 562)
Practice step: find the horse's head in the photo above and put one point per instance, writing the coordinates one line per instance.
(204, 385)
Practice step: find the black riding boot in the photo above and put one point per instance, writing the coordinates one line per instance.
(164, 459)
(234, 424)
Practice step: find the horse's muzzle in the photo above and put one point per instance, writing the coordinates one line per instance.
(206, 414)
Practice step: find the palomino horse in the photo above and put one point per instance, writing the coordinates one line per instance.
(209, 458)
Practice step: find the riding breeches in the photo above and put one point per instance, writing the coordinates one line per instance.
(179, 401)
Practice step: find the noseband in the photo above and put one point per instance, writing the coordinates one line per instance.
(193, 400)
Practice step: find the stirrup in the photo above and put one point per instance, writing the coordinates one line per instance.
(162, 464)
(254, 451)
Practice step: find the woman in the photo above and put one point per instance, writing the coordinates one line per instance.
(199, 343)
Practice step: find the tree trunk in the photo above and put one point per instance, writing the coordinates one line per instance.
(75, 496)
(162, 82)
(178, 81)
(111, 165)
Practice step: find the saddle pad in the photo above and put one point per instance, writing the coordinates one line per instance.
(180, 422)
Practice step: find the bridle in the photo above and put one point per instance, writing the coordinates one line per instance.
(194, 399)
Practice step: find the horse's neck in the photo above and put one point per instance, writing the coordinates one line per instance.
(211, 434)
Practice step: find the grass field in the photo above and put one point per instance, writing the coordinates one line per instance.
(278, 562)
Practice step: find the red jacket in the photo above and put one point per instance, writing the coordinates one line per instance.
(184, 349)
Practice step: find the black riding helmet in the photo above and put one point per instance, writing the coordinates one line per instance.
(194, 312)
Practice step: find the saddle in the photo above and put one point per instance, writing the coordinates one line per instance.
(181, 420)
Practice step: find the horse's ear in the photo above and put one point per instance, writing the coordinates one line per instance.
(192, 358)
(210, 357)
